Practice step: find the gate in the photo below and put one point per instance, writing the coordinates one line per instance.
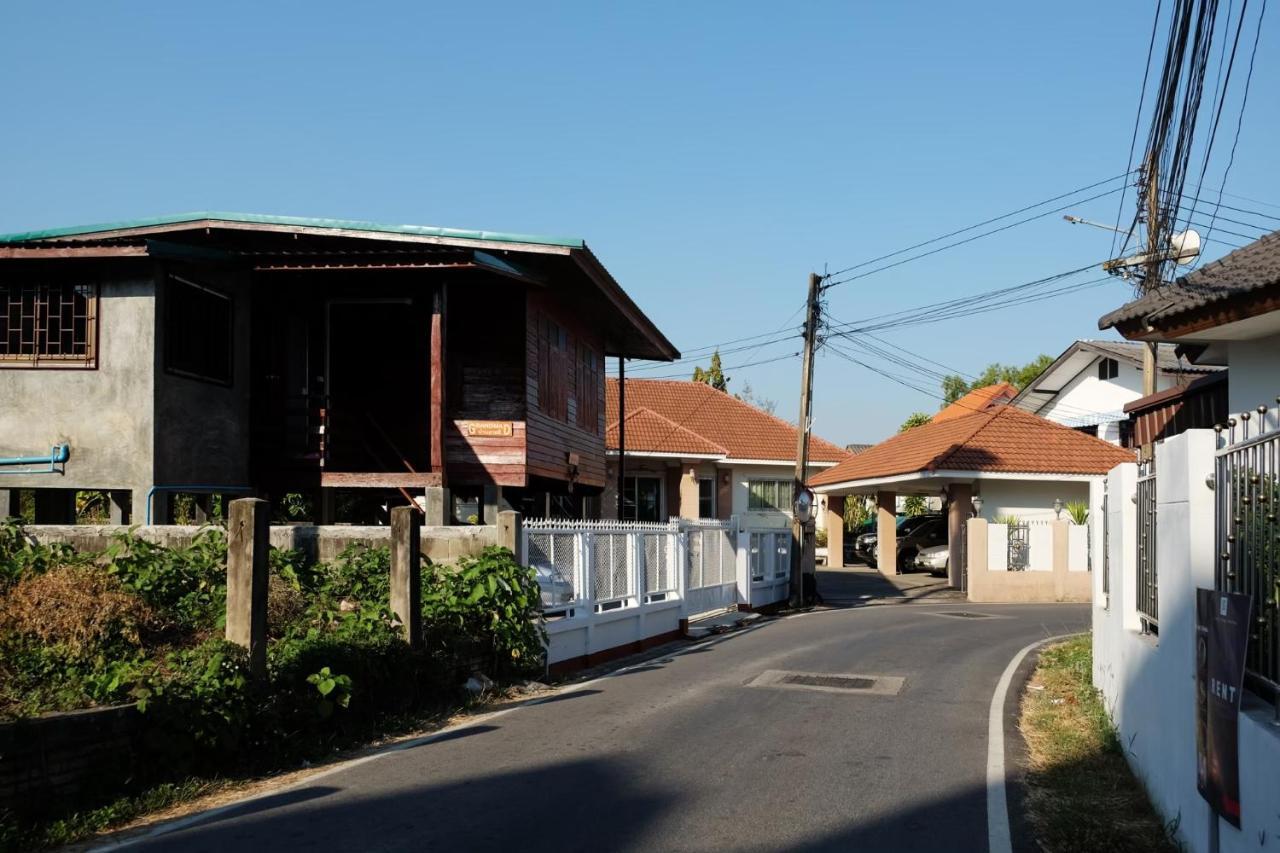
(711, 565)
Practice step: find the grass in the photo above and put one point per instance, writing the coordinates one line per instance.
(1081, 794)
(88, 823)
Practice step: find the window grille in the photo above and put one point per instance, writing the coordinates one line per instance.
(1148, 569)
(48, 325)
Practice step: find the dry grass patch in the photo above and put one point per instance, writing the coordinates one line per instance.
(1081, 794)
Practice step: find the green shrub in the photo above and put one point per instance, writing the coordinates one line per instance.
(1079, 511)
(20, 558)
(486, 605)
(188, 585)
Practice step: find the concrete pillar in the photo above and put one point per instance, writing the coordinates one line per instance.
(55, 506)
(439, 507)
(835, 531)
(958, 512)
(406, 572)
(689, 491)
(724, 493)
(976, 541)
(248, 540)
(494, 502)
(674, 494)
(203, 508)
(510, 533)
(1061, 546)
(328, 506)
(119, 507)
(8, 503)
(160, 507)
(887, 532)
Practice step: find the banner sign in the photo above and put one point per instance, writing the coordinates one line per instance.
(488, 429)
(1222, 637)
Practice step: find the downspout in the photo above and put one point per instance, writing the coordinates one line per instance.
(622, 431)
(58, 455)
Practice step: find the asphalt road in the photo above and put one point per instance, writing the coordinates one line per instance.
(680, 754)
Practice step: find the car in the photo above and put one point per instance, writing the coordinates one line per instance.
(914, 532)
(851, 540)
(556, 591)
(934, 559)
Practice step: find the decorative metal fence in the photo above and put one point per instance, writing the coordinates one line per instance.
(1106, 544)
(1019, 547)
(769, 556)
(1148, 568)
(1247, 494)
(711, 564)
(594, 567)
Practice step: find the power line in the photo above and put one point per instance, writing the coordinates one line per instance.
(685, 375)
(1137, 119)
(847, 279)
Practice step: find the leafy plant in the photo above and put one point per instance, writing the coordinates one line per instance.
(189, 583)
(333, 689)
(1011, 520)
(1079, 511)
(22, 557)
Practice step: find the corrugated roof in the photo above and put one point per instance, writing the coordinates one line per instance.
(1004, 440)
(291, 221)
(978, 400)
(1251, 268)
(742, 430)
(1166, 355)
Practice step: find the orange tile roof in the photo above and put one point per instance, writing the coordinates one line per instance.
(740, 429)
(978, 400)
(650, 432)
(1005, 439)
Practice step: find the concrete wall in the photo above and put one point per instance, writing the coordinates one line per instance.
(1048, 578)
(1255, 376)
(106, 415)
(202, 428)
(756, 519)
(322, 543)
(1148, 681)
(1029, 500)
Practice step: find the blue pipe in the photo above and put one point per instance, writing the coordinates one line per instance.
(58, 455)
(212, 489)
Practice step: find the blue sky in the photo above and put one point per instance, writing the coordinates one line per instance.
(712, 155)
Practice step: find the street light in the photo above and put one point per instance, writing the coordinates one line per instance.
(1057, 508)
(977, 504)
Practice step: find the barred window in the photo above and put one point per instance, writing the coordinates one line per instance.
(198, 324)
(48, 325)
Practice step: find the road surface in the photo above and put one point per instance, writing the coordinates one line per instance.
(683, 753)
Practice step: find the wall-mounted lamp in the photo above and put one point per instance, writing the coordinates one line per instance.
(977, 505)
(1057, 507)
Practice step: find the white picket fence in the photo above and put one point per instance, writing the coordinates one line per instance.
(608, 585)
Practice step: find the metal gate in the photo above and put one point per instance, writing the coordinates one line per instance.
(711, 565)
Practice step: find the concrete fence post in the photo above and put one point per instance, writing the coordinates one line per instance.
(406, 572)
(248, 538)
(511, 533)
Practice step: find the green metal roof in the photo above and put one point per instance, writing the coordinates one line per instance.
(297, 221)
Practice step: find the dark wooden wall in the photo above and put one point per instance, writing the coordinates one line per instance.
(565, 409)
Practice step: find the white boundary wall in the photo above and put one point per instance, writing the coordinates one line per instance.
(1148, 681)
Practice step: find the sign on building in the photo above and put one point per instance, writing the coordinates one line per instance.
(1222, 637)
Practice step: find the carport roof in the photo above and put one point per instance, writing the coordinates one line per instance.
(1006, 440)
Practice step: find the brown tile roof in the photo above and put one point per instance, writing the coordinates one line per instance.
(978, 400)
(742, 430)
(1005, 439)
(1239, 273)
(650, 432)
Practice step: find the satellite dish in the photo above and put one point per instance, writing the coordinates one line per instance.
(1185, 246)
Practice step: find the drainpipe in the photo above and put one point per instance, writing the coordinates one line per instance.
(210, 489)
(58, 455)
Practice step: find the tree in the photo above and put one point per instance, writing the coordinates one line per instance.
(857, 509)
(713, 375)
(749, 397)
(954, 387)
(914, 420)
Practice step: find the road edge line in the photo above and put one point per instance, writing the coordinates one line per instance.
(999, 834)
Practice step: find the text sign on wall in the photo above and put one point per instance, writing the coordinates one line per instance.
(1222, 637)
(488, 429)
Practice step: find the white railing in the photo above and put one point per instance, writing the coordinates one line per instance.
(610, 584)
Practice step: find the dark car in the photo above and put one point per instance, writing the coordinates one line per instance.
(851, 540)
(914, 532)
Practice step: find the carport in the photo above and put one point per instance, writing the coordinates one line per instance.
(988, 464)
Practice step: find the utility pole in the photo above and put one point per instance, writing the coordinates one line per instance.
(1150, 281)
(622, 437)
(802, 441)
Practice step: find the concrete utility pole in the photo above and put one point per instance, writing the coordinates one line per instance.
(1152, 279)
(802, 441)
